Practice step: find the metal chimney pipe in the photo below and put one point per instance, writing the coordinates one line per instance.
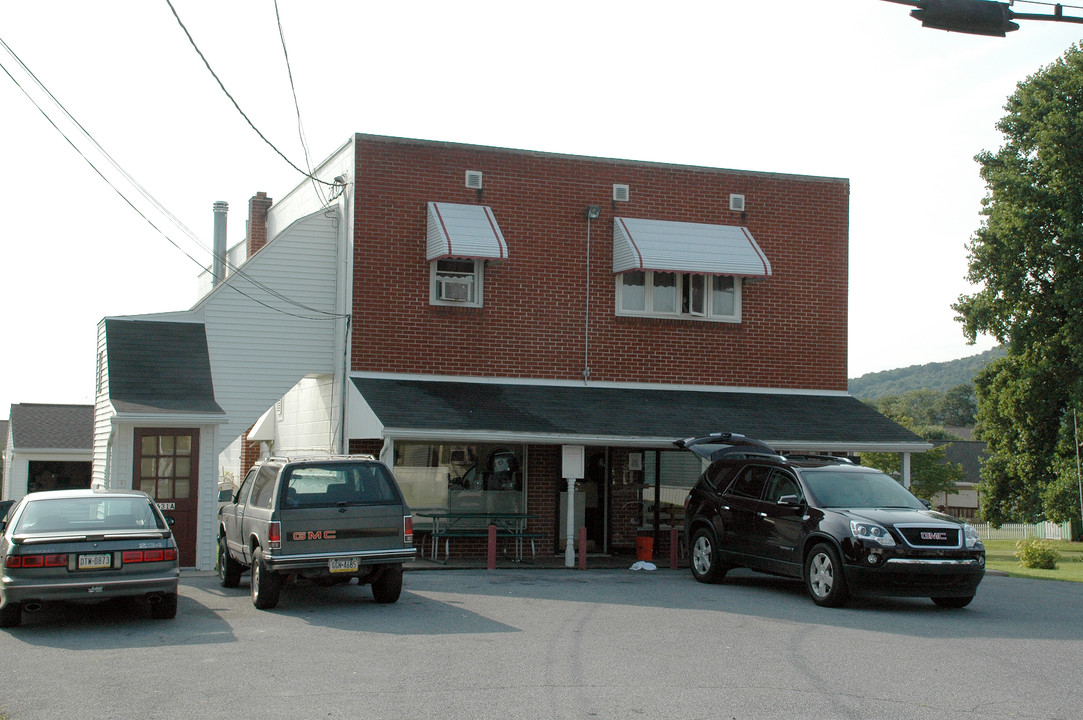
(218, 250)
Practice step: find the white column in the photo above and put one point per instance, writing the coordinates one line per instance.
(906, 470)
(569, 551)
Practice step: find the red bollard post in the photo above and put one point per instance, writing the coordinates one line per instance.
(492, 547)
(582, 548)
(673, 548)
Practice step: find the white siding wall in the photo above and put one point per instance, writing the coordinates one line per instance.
(261, 345)
(306, 425)
(103, 416)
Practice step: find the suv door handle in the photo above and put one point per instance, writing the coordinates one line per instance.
(762, 514)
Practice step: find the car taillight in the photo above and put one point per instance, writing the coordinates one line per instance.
(36, 561)
(408, 529)
(274, 535)
(138, 556)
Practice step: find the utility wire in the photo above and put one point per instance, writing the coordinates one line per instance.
(297, 106)
(143, 191)
(250, 123)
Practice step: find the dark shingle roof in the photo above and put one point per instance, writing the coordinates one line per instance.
(790, 418)
(159, 367)
(52, 427)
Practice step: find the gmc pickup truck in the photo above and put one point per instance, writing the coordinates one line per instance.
(326, 519)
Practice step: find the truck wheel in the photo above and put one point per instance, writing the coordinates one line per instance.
(266, 585)
(229, 570)
(388, 587)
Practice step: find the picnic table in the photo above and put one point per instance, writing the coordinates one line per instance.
(450, 524)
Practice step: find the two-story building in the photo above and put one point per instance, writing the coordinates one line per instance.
(468, 313)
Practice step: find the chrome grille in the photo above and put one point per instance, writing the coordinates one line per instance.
(930, 536)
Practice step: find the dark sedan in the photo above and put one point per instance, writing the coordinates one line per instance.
(844, 529)
(86, 545)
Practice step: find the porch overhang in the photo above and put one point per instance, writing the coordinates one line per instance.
(460, 410)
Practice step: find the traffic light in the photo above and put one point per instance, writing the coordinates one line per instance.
(976, 17)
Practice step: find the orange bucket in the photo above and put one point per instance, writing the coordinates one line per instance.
(645, 548)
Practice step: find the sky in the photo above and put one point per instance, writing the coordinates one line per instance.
(843, 88)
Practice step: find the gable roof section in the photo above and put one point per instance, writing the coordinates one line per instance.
(463, 231)
(628, 415)
(52, 427)
(640, 244)
(159, 367)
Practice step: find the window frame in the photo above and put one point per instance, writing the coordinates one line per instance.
(478, 276)
(685, 297)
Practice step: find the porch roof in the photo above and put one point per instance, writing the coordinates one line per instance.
(546, 413)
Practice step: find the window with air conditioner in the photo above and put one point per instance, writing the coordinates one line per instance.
(456, 282)
(679, 295)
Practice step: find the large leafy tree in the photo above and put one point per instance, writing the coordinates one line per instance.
(1027, 259)
(930, 472)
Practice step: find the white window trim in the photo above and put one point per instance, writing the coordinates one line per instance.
(434, 290)
(649, 291)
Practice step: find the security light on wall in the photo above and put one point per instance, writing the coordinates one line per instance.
(593, 212)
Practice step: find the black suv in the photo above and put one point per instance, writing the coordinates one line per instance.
(844, 529)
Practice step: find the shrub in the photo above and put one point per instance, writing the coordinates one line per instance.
(1034, 553)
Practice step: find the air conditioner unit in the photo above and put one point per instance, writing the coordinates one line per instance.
(737, 203)
(456, 289)
(620, 193)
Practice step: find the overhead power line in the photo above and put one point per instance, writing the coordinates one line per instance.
(246, 118)
(238, 273)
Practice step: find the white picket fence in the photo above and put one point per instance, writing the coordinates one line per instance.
(1019, 531)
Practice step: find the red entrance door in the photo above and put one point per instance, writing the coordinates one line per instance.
(166, 469)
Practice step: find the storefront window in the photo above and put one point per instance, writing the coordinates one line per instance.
(669, 475)
(481, 477)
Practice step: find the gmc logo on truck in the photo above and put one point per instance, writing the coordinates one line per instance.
(934, 536)
(309, 535)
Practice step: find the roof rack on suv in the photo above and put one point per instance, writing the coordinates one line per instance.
(316, 458)
(837, 459)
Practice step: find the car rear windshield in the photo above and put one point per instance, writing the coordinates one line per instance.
(87, 514)
(864, 489)
(361, 483)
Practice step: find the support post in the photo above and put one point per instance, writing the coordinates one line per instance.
(582, 548)
(569, 550)
(492, 547)
(673, 539)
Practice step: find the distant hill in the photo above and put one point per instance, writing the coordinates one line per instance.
(938, 376)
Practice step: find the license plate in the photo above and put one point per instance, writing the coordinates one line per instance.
(97, 561)
(342, 565)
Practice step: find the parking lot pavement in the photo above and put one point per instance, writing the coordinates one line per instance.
(520, 643)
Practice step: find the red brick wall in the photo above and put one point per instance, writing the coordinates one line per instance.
(256, 238)
(793, 332)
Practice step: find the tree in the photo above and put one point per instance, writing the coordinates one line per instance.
(957, 406)
(1027, 259)
(930, 472)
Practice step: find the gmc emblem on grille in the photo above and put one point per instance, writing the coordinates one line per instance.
(925, 535)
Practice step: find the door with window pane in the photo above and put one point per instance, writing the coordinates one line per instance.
(166, 469)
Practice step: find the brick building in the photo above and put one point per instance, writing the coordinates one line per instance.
(470, 313)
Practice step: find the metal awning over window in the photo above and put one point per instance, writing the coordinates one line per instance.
(464, 231)
(686, 247)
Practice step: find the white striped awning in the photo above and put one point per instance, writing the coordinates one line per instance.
(464, 231)
(686, 247)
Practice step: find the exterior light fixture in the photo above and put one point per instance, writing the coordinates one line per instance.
(594, 212)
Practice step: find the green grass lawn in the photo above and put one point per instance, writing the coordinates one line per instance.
(1000, 555)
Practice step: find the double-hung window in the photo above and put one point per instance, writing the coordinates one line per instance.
(674, 294)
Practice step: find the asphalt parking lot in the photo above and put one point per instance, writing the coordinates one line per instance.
(553, 643)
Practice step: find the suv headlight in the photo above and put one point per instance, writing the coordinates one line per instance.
(871, 531)
(970, 535)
